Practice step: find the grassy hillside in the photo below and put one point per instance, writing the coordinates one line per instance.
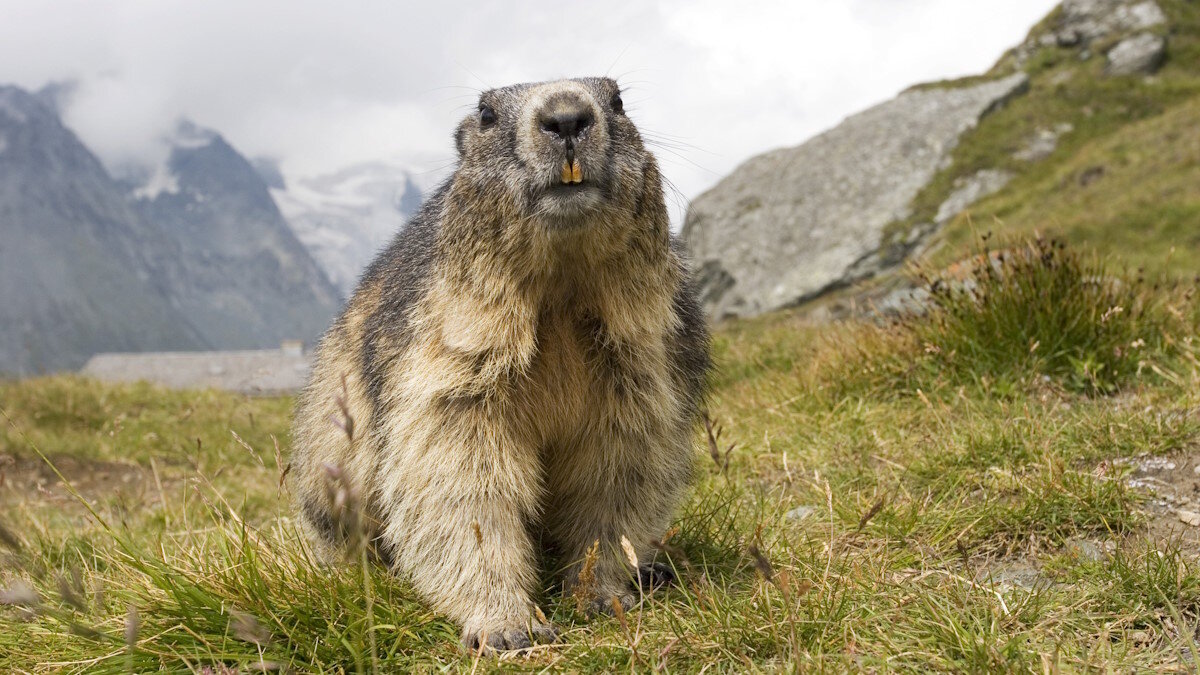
(988, 487)
(1125, 179)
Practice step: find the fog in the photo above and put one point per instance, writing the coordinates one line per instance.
(318, 85)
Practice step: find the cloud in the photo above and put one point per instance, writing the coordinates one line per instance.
(321, 85)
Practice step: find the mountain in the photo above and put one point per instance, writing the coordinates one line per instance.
(1098, 144)
(346, 217)
(80, 271)
(192, 254)
(244, 279)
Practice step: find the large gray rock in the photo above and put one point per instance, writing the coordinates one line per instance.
(790, 224)
(1139, 54)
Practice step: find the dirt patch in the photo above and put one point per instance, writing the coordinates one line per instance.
(1173, 484)
(30, 479)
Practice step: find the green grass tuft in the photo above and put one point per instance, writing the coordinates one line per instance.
(1034, 314)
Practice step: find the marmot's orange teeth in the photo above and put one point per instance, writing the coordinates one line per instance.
(571, 173)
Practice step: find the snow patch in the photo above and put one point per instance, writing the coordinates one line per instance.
(189, 136)
(346, 217)
(161, 181)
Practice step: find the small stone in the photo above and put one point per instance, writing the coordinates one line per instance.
(1090, 550)
(1042, 144)
(1155, 464)
(800, 513)
(1189, 518)
(967, 191)
(1196, 470)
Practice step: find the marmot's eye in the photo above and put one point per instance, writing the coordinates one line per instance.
(618, 105)
(487, 116)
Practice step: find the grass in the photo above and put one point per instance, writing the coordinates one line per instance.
(884, 507)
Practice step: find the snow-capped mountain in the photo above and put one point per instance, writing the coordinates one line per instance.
(245, 280)
(345, 218)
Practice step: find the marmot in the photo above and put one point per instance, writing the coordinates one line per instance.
(519, 371)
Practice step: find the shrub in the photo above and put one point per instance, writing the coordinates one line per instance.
(1023, 315)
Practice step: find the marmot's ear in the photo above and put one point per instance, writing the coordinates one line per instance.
(460, 138)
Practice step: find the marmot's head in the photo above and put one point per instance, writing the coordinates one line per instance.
(561, 151)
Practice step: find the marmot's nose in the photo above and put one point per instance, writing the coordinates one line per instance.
(566, 118)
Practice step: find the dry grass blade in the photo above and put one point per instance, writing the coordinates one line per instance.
(284, 469)
(761, 563)
(9, 539)
(630, 553)
(253, 453)
(71, 591)
(133, 624)
(871, 513)
(584, 590)
(346, 423)
(344, 508)
(619, 612)
(713, 434)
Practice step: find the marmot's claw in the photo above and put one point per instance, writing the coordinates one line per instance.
(655, 575)
(508, 639)
(603, 604)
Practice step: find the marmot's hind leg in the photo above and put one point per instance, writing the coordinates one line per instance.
(316, 523)
(611, 486)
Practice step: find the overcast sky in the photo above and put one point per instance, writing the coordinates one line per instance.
(321, 85)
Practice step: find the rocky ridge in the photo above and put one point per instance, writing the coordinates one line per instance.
(189, 255)
(794, 224)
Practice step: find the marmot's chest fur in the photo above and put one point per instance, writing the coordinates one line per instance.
(580, 377)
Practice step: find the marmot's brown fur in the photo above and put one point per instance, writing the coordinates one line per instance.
(519, 370)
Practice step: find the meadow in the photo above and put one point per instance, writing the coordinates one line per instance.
(1006, 482)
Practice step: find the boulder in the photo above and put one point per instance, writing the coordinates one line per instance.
(1082, 21)
(793, 223)
(1079, 23)
(1139, 54)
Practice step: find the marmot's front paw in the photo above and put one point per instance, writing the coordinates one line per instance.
(504, 637)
